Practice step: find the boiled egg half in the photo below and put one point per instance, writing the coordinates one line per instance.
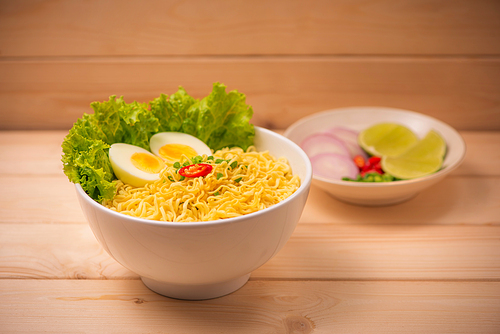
(171, 146)
(134, 165)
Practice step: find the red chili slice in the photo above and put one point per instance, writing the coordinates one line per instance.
(374, 160)
(379, 171)
(195, 170)
(359, 161)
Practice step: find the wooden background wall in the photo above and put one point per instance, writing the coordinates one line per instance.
(291, 58)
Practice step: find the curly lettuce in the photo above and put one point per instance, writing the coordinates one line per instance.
(220, 120)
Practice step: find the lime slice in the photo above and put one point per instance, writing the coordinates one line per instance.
(386, 139)
(424, 158)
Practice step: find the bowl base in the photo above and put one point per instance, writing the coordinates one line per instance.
(195, 292)
(375, 201)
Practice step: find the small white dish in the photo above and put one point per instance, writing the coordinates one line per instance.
(203, 260)
(359, 118)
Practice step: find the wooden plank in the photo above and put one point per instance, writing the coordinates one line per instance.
(464, 93)
(39, 153)
(33, 199)
(390, 252)
(56, 251)
(258, 307)
(455, 200)
(31, 152)
(53, 28)
(315, 251)
(482, 153)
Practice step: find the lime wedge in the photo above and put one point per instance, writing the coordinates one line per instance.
(424, 158)
(386, 139)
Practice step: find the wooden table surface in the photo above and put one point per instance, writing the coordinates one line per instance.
(430, 265)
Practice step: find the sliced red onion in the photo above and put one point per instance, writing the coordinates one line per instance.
(334, 166)
(350, 138)
(324, 143)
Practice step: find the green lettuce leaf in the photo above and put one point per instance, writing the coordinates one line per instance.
(85, 159)
(138, 124)
(223, 119)
(106, 120)
(172, 112)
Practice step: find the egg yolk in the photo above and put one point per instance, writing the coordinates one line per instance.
(174, 152)
(147, 163)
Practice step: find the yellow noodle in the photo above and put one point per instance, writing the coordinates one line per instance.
(263, 181)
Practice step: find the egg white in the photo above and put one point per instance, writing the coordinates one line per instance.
(158, 140)
(120, 157)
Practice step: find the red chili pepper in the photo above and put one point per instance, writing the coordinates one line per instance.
(371, 165)
(195, 170)
(359, 161)
(363, 173)
(374, 160)
(366, 168)
(377, 166)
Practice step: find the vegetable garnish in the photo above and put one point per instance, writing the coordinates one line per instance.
(372, 165)
(370, 170)
(359, 161)
(195, 170)
(197, 166)
(333, 166)
(372, 177)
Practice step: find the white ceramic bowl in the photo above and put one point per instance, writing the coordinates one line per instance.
(359, 118)
(203, 260)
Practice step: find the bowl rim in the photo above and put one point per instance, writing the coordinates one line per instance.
(304, 186)
(341, 183)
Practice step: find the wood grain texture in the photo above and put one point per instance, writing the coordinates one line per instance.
(48, 94)
(50, 199)
(314, 252)
(31, 152)
(95, 28)
(258, 307)
(56, 251)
